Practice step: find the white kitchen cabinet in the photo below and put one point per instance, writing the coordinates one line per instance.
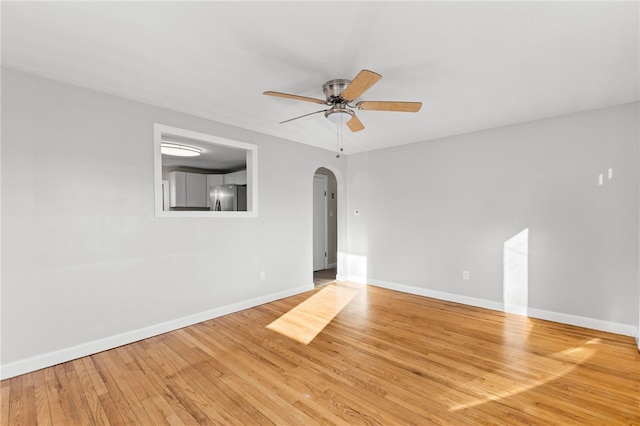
(238, 178)
(214, 180)
(196, 190)
(178, 189)
(188, 189)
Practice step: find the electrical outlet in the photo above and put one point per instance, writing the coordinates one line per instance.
(263, 275)
(466, 275)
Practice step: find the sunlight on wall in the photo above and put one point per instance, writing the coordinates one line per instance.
(516, 273)
(305, 321)
(356, 267)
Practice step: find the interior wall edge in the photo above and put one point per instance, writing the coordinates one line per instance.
(38, 362)
(579, 321)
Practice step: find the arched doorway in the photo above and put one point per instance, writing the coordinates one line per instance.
(325, 226)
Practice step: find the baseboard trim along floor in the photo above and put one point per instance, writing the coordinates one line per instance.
(38, 362)
(585, 322)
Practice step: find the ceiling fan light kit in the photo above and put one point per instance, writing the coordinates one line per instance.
(339, 115)
(339, 92)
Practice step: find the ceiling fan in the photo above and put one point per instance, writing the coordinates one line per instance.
(340, 92)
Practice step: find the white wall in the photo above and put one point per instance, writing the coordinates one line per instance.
(430, 210)
(87, 266)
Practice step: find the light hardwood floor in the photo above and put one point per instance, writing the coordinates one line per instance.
(387, 358)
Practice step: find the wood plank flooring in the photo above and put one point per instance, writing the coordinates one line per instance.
(387, 358)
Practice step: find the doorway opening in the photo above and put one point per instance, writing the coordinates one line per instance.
(325, 226)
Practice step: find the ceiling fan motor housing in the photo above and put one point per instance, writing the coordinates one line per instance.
(339, 92)
(333, 88)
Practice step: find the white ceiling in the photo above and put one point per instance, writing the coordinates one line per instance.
(474, 65)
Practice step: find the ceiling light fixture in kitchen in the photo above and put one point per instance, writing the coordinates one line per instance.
(178, 150)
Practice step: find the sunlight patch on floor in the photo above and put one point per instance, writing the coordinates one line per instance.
(305, 321)
(496, 386)
(516, 330)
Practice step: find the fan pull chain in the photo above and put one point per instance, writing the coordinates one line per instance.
(339, 138)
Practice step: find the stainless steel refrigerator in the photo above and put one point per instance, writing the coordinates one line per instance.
(228, 198)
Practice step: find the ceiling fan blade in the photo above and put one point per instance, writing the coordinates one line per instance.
(360, 84)
(297, 97)
(311, 113)
(355, 125)
(390, 106)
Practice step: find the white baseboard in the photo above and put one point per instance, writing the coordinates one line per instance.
(585, 322)
(38, 362)
(595, 324)
(332, 265)
(465, 300)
